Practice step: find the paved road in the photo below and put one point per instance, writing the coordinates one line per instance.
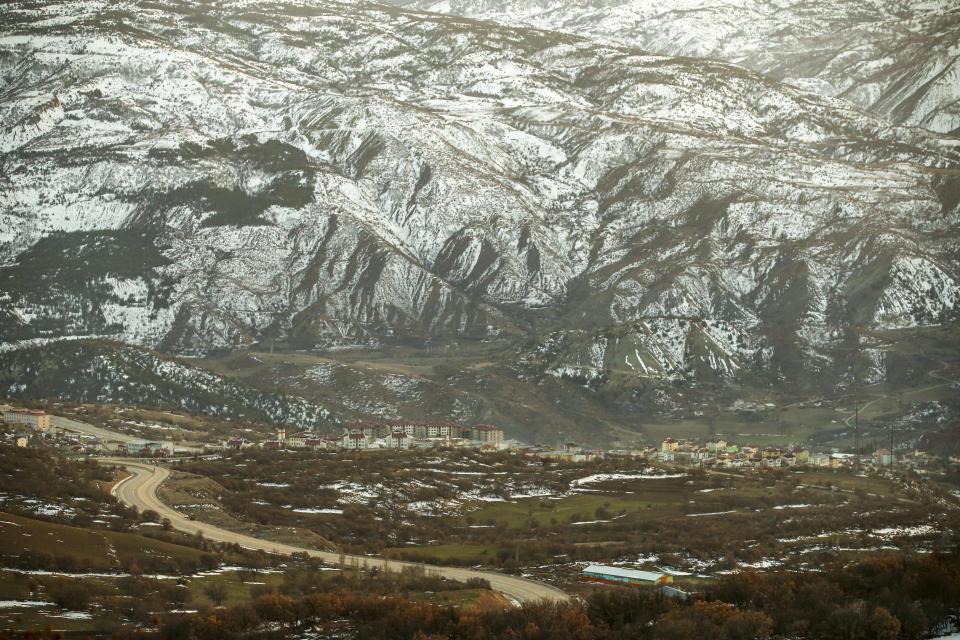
(104, 434)
(140, 490)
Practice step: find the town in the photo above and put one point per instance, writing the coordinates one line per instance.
(715, 453)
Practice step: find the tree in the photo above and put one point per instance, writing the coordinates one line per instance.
(216, 591)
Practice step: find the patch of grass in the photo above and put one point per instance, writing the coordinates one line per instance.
(33, 618)
(519, 513)
(445, 551)
(849, 481)
(90, 548)
(458, 597)
(235, 590)
(14, 586)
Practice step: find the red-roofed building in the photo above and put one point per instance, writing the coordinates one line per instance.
(486, 434)
(39, 420)
(355, 440)
(399, 440)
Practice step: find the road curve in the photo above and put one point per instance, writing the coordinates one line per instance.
(140, 491)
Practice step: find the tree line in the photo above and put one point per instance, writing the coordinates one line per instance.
(892, 597)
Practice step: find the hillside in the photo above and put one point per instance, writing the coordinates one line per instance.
(321, 176)
(895, 58)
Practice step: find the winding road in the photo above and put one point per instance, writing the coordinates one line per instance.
(140, 491)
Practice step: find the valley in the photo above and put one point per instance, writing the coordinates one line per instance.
(516, 524)
(423, 320)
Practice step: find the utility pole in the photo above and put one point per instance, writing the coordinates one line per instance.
(891, 447)
(856, 428)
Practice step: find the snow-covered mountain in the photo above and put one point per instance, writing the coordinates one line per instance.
(193, 176)
(895, 58)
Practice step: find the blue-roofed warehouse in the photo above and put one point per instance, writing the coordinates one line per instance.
(619, 575)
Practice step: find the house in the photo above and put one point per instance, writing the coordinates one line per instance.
(39, 420)
(567, 455)
(883, 457)
(718, 446)
(399, 440)
(355, 440)
(21, 440)
(369, 429)
(299, 440)
(143, 447)
(669, 444)
(444, 430)
(486, 434)
(820, 460)
(619, 575)
(238, 444)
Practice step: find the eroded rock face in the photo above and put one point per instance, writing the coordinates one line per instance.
(193, 177)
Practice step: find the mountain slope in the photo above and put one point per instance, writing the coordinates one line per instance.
(895, 58)
(196, 177)
(95, 371)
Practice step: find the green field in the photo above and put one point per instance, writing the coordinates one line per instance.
(94, 549)
(584, 505)
(444, 552)
(236, 591)
(38, 618)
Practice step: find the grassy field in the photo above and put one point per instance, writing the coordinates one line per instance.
(236, 590)
(446, 551)
(871, 484)
(35, 618)
(585, 505)
(94, 549)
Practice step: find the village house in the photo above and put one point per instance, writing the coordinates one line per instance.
(144, 447)
(486, 434)
(356, 440)
(238, 444)
(669, 444)
(299, 440)
(883, 457)
(716, 446)
(399, 440)
(565, 455)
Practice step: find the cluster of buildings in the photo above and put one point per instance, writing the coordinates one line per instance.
(34, 424)
(385, 435)
(716, 453)
(720, 453)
